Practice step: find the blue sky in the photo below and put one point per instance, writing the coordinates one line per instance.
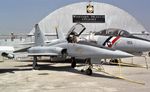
(19, 16)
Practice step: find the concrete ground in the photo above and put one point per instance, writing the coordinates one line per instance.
(16, 76)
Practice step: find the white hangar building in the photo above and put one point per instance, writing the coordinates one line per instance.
(94, 16)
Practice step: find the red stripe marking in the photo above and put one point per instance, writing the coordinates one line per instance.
(114, 41)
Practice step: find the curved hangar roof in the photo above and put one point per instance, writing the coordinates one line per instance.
(94, 16)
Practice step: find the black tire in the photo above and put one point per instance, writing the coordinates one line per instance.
(149, 54)
(88, 71)
(116, 61)
(113, 62)
(82, 70)
(35, 67)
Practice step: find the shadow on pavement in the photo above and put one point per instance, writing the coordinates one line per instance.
(41, 67)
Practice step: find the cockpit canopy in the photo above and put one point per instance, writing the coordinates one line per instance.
(113, 32)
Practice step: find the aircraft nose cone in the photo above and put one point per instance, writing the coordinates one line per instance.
(142, 46)
(122, 54)
(117, 54)
(147, 45)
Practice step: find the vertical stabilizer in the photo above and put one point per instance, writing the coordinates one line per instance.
(39, 36)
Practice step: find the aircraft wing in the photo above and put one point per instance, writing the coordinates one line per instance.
(43, 54)
(22, 50)
(27, 43)
(32, 43)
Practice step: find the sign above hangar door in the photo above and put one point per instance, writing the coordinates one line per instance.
(88, 18)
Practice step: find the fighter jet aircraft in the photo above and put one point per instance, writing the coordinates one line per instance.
(120, 40)
(68, 46)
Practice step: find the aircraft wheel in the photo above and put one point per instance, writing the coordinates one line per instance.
(82, 70)
(149, 54)
(114, 61)
(36, 68)
(88, 71)
(73, 63)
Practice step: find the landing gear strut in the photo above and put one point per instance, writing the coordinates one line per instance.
(88, 67)
(73, 63)
(34, 65)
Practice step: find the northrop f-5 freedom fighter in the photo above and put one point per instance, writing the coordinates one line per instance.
(70, 46)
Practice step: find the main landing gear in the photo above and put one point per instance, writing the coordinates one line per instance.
(88, 67)
(114, 62)
(34, 65)
(88, 71)
(73, 63)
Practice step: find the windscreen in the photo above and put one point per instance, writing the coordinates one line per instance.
(113, 32)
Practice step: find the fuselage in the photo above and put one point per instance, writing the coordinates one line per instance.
(130, 45)
(87, 51)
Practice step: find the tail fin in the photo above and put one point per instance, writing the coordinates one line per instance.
(39, 36)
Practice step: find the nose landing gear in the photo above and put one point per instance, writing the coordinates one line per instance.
(73, 63)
